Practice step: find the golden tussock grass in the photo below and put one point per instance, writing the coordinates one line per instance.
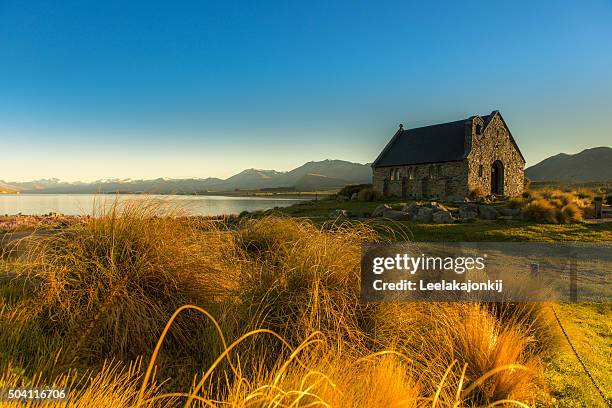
(288, 326)
(554, 206)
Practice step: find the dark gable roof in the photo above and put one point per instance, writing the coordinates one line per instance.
(430, 144)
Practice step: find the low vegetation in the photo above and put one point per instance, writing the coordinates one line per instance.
(275, 320)
(555, 206)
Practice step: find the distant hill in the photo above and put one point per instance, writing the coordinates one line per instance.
(326, 174)
(7, 189)
(589, 165)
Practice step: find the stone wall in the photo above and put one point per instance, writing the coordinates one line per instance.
(438, 180)
(494, 144)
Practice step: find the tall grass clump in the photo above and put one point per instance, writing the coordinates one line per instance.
(110, 283)
(554, 206)
(451, 342)
(298, 278)
(540, 210)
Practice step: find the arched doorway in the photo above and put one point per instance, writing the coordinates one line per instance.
(497, 178)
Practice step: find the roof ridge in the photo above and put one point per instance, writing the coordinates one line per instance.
(436, 124)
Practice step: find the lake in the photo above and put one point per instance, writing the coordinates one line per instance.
(83, 204)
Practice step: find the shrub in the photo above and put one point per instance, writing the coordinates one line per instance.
(585, 194)
(297, 278)
(516, 203)
(540, 210)
(367, 194)
(570, 213)
(111, 282)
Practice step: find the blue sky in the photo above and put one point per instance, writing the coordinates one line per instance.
(146, 89)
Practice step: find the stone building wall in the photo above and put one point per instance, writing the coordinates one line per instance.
(494, 144)
(437, 180)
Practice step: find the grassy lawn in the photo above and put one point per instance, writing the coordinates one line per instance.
(588, 325)
(494, 231)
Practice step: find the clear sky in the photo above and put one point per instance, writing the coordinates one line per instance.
(145, 89)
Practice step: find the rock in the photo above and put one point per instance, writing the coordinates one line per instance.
(510, 212)
(442, 217)
(378, 211)
(424, 214)
(487, 212)
(355, 197)
(508, 218)
(339, 214)
(396, 215)
(468, 215)
(468, 212)
(411, 208)
(437, 206)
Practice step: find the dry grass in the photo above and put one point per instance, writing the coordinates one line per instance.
(291, 330)
(109, 284)
(554, 206)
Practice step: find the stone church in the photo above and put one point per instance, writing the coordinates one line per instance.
(477, 155)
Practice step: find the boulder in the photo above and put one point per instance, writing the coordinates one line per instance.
(355, 197)
(508, 218)
(510, 212)
(378, 211)
(487, 212)
(396, 215)
(442, 217)
(424, 214)
(437, 206)
(339, 214)
(468, 212)
(411, 208)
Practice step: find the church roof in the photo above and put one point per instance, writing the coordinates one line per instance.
(443, 142)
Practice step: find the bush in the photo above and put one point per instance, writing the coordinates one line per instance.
(111, 282)
(540, 210)
(570, 213)
(367, 194)
(553, 206)
(299, 278)
(585, 194)
(516, 203)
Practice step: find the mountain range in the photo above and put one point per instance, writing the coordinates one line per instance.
(593, 164)
(326, 174)
(589, 165)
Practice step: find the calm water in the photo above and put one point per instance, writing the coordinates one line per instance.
(81, 204)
